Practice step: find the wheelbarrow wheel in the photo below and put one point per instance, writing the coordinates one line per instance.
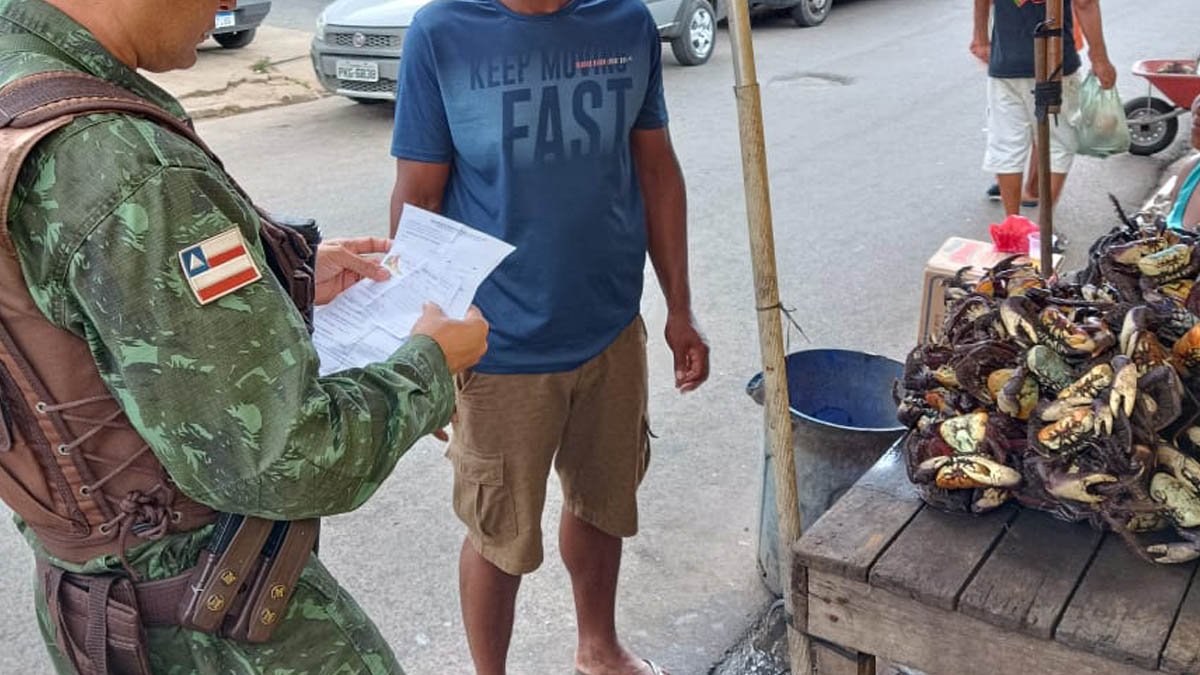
(1149, 138)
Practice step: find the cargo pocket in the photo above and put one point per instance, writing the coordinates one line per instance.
(644, 459)
(481, 499)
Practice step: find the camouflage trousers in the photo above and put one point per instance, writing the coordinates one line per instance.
(325, 633)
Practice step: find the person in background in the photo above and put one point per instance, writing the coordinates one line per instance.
(1185, 214)
(1009, 52)
(1029, 193)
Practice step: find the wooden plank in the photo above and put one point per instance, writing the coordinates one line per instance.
(1182, 654)
(1124, 607)
(850, 536)
(1027, 580)
(830, 660)
(935, 556)
(939, 642)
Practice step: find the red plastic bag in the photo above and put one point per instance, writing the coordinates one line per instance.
(1012, 236)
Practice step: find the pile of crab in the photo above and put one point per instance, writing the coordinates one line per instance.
(1076, 398)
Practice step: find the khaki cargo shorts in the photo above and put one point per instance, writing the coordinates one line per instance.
(589, 423)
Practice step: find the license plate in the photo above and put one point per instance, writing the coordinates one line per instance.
(226, 20)
(358, 71)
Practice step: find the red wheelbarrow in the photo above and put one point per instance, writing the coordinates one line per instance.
(1153, 122)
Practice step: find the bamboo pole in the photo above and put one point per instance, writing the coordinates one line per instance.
(770, 326)
(1048, 63)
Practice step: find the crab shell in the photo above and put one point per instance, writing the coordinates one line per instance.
(1050, 369)
(1181, 501)
(1187, 348)
(965, 433)
(1178, 291)
(1015, 391)
(1082, 422)
(1183, 468)
(1065, 336)
(1091, 384)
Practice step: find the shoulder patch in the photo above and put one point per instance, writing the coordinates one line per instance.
(218, 266)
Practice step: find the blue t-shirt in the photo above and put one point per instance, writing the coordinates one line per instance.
(1013, 25)
(534, 115)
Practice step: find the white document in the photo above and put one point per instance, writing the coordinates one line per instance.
(433, 259)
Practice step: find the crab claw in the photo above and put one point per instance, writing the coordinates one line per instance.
(1075, 487)
(1166, 263)
(1016, 321)
(990, 499)
(1136, 320)
(1181, 466)
(1123, 397)
(1132, 252)
(1175, 553)
(1063, 408)
(972, 471)
(1193, 434)
(1104, 418)
(927, 471)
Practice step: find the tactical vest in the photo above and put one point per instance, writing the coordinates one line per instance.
(71, 465)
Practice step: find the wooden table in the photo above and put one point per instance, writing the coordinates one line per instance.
(1014, 592)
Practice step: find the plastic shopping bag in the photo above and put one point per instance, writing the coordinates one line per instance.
(1100, 121)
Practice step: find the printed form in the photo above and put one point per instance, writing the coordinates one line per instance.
(432, 259)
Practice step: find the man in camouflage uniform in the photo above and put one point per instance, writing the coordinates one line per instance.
(226, 394)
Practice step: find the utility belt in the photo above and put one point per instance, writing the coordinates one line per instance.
(239, 589)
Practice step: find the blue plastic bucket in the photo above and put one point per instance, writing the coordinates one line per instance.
(843, 420)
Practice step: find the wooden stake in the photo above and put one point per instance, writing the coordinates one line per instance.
(1048, 62)
(770, 326)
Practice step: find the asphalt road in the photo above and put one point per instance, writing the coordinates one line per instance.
(875, 132)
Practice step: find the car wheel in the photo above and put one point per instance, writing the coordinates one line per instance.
(236, 40)
(695, 44)
(1147, 139)
(811, 12)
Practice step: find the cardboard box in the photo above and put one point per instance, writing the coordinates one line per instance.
(955, 254)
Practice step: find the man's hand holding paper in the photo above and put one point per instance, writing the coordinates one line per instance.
(432, 260)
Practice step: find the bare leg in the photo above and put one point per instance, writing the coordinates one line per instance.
(1057, 180)
(1031, 181)
(1010, 192)
(489, 598)
(593, 559)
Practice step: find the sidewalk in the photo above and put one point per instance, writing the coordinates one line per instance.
(273, 70)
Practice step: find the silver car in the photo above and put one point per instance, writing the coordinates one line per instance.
(236, 29)
(356, 50)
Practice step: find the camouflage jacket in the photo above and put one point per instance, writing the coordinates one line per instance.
(227, 394)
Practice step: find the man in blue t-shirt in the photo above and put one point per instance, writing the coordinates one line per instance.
(543, 122)
(1009, 53)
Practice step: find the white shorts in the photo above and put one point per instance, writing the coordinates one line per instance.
(1011, 126)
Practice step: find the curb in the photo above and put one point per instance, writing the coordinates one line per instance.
(274, 70)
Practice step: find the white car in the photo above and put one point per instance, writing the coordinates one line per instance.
(356, 50)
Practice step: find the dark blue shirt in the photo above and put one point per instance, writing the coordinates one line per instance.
(1013, 25)
(534, 115)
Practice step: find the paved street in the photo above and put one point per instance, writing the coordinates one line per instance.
(875, 132)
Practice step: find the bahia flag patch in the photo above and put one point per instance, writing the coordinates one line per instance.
(218, 266)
